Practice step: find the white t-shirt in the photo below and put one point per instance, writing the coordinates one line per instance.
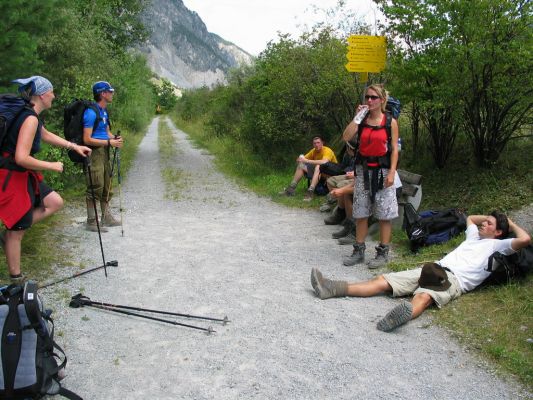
(469, 261)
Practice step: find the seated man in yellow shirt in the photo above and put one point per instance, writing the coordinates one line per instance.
(309, 166)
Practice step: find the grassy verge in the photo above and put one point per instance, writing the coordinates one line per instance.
(248, 170)
(42, 250)
(497, 322)
(174, 179)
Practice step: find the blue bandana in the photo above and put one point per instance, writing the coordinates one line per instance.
(37, 84)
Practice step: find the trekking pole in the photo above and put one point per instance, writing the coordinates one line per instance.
(119, 178)
(108, 264)
(87, 163)
(224, 320)
(81, 301)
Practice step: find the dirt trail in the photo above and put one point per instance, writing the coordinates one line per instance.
(220, 250)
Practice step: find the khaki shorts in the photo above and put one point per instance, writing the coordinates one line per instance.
(340, 181)
(405, 283)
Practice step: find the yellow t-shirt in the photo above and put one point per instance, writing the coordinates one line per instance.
(326, 152)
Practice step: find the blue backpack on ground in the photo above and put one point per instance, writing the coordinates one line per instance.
(432, 226)
(30, 368)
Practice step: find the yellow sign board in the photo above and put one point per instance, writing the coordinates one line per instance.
(366, 53)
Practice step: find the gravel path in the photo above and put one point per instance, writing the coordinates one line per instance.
(218, 251)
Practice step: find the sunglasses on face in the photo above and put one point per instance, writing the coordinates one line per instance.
(370, 97)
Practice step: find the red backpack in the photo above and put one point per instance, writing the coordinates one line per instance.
(383, 153)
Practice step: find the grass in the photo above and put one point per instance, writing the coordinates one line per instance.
(174, 179)
(497, 322)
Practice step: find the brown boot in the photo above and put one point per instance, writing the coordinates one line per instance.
(91, 219)
(107, 218)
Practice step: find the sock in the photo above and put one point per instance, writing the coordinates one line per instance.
(293, 184)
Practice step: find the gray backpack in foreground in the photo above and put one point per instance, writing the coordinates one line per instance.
(31, 368)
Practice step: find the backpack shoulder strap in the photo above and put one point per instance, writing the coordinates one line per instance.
(388, 125)
(92, 105)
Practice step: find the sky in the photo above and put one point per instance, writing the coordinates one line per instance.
(251, 24)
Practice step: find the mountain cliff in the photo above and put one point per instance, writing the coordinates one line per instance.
(181, 49)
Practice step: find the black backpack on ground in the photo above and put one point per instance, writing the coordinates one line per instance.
(505, 269)
(432, 227)
(73, 124)
(30, 366)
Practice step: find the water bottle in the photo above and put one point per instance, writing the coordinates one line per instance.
(361, 115)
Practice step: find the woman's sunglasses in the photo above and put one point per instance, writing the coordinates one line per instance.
(369, 97)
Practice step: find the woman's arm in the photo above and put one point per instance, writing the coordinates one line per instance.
(24, 144)
(394, 153)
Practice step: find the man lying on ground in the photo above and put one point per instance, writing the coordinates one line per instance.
(461, 271)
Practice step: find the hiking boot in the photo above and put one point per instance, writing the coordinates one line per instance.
(91, 219)
(288, 191)
(399, 315)
(337, 216)
(326, 288)
(330, 199)
(348, 239)
(18, 279)
(325, 207)
(107, 218)
(357, 257)
(308, 196)
(347, 227)
(382, 257)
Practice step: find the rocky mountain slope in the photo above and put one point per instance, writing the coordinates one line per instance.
(181, 49)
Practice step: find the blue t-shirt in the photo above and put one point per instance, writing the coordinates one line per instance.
(89, 116)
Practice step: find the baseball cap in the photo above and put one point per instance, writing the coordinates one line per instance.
(37, 84)
(102, 86)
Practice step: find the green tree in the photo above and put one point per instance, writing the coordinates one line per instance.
(24, 23)
(467, 64)
(166, 94)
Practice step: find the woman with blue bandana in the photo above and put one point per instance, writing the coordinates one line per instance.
(25, 198)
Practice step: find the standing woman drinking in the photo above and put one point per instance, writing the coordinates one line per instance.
(375, 168)
(24, 198)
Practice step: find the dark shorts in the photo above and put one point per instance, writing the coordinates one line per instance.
(37, 201)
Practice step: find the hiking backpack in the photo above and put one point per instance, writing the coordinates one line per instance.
(73, 124)
(11, 106)
(392, 111)
(505, 269)
(432, 226)
(30, 366)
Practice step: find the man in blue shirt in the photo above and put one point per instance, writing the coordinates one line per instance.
(100, 139)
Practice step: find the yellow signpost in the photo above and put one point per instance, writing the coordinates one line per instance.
(366, 53)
